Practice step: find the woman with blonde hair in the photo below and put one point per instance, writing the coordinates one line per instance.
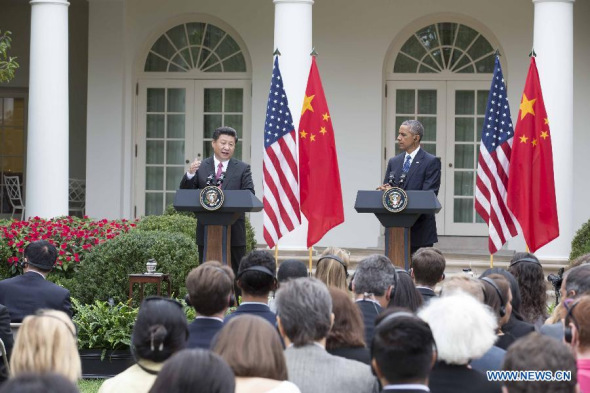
(47, 343)
(332, 267)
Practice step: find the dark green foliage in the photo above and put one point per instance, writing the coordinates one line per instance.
(173, 223)
(104, 273)
(581, 242)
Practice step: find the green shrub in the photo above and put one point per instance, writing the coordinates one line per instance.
(581, 242)
(174, 223)
(104, 272)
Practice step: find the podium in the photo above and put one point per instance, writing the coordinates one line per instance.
(218, 223)
(397, 225)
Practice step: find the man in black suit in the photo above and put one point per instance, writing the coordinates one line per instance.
(428, 269)
(237, 177)
(415, 169)
(7, 339)
(210, 291)
(402, 353)
(25, 294)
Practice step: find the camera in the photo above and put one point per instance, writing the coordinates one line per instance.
(556, 280)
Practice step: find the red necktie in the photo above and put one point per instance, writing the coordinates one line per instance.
(219, 170)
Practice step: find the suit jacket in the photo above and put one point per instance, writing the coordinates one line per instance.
(554, 330)
(450, 378)
(25, 294)
(517, 328)
(237, 177)
(260, 310)
(369, 310)
(7, 339)
(201, 332)
(490, 361)
(426, 293)
(360, 354)
(424, 174)
(314, 370)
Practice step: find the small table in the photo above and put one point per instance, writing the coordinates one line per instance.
(155, 278)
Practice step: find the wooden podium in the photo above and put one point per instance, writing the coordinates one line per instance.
(218, 223)
(397, 225)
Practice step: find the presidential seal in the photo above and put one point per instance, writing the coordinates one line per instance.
(395, 199)
(211, 198)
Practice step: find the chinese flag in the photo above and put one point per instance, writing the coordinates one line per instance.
(531, 188)
(319, 177)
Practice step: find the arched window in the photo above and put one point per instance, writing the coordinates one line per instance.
(445, 46)
(195, 45)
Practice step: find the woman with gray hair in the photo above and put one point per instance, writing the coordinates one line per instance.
(304, 317)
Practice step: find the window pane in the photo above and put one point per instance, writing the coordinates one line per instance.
(155, 126)
(414, 48)
(153, 203)
(485, 65)
(429, 61)
(463, 61)
(429, 147)
(404, 102)
(233, 100)
(398, 122)
(482, 101)
(154, 178)
(437, 56)
(464, 129)
(155, 64)
(213, 35)
(463, 210)
(464, 102)
(175, 152)
(211, 61)
(175, 126)
(427, 102)
(205, 53)
(155, 100)
(12, 141)
(426, 70)
(227, 48)
(173, 176)
(195, 32)
(235, 122)
(463, 183)
(213, 100)
(163, 47)
(480, 47)
(467, 70)
(465, 37)
(429, 37)
(403, 64)
(447, 33)
(178, 36)
(464, 157)
(174, 68)
(210, 123)
(186, 55)
(238, 152)
(233, 64)
(154, 152)
(429, 124)
(478, 129)
(14, 112)
(208, 149)
(170, 198)
(176, 100)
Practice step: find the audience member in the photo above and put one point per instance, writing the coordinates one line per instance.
(253, 350)
(373, 284)
(195, 370)
(29, 292)
(304, 317)
(256, 279)
(39, 383)
(516, 325)
(46, 343)
(210, 291)
(428, 269)
(577, 335)
(332, 267)
(7, 339)
(403, 353)
(347, 335)
(160, 330)
(405, 293)
(498, 297)
(463, 329)
(291, 268)
(531, 281)
(536, 352)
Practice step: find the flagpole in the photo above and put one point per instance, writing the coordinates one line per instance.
(491, 261)
(310, 264)
(277, 254)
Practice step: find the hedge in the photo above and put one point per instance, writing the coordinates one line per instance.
(581, 241)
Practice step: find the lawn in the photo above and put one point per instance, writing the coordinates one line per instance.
(90, 385)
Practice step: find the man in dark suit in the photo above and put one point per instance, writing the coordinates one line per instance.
(7, 339)
(210, 292)
(25, 294)
(428, 269)
(415, 169)
(237, 177)
(402, 353)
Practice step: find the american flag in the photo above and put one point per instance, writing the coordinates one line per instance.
(281, 179)
(493, 165)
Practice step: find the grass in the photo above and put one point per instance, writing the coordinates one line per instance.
(90, 385)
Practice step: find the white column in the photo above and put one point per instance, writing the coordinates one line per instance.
(293, 38)
(48, 122)
(553, 44)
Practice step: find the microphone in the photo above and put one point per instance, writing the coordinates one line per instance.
(402, 178)
(391, 180)
(210, 179)
(220, 180)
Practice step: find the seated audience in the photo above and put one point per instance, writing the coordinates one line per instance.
(29, 292)
(531, 281)
(195, 370)
(253, 350)
(332, 268)
(373, 284)
(210, 291)
(428, 269)
(160, 330)
(291, 268)
(46, 343)
(347, 335)
(403, 353)
(516, 326)
(304, 309)
(536, 352)
(498, 297)
(256, 279)
(7, 339)
(577, 328)
(463, 329)
(405, 293)
(39, 383)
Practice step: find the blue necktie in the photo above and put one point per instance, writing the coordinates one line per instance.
(406, 166)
